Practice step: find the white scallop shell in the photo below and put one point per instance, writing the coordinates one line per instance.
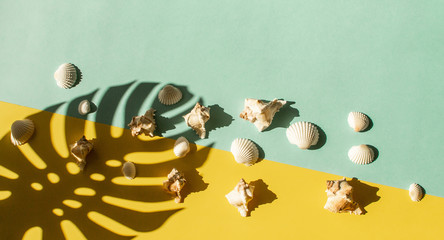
(84, 107)
(129, 170)
(361, 154)
(181, 147)
(416, 192)
(358, 121)
(169, 95)
(244, 151)
(303, 134)
(21, 131)
(66, 75)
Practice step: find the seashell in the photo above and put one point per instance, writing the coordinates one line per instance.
(303, 134)
(143, 124)
(84, 107)
(21, 131)
(174, 184)
(240, 196)
(129, 170)
(244, 151)
(358, 121)
(340, 198)
(260, 113)
(197, 118)
(169, 95)
(416, 192)
(361, 154)
(66, 75)
(181, 147)
(80, 150)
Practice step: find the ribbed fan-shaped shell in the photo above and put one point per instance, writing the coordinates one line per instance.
(358, 121)
(244, 151)
(416, 192)
(21, 131)
(169, 95)
(303, 134)
(84, 107)
(66, 75)
(361, 154)
(129, 170)
(181, 147)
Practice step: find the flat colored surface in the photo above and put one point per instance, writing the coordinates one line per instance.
(325, 58)
(101, 203)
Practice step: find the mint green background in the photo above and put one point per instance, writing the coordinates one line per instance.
(383, 58)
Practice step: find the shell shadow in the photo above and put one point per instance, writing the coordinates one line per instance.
(363, 194)
(284, 116)
(163, 124)
(219, 118)
(375, 152)
(321, 141)
(261, 195)
(194, 183)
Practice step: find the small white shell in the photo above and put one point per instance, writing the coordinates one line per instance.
(244, 151)
(416, 192)
(129, 170)
(84, 107)
(358, 121)
(181, 147)
(361, 154)
(169, 95)
(66, 75)
(303, 134)
(21, 131)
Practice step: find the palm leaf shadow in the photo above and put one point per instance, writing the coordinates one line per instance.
(29, 207)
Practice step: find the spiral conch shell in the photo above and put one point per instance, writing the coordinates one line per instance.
(340, 198)
(197, 118)
(244, 151)
(259, 113)
(361, 154)
(358, 121)
(169, 95)
(175, 184)
(21, 131)
(416, 192)
(181, 147)
(80, 150)
(66, 75)
(240, 196)
(143, 124)
(303, 134)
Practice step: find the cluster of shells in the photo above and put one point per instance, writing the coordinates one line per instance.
(260, 113)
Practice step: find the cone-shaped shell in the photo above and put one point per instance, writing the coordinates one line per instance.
(129, 170)
(175, 183)
(181, 147)
(358, 121)
(240, 196)
(80, 150)
(303, 134)
(84, 107)
(340, 197)
(244, 151)
(416, 192)
(169, 95)
(66, 75)
(197, 118)
(260, 113)
(361, 154)
(21, 131)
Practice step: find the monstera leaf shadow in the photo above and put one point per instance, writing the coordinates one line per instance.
(49, 192)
